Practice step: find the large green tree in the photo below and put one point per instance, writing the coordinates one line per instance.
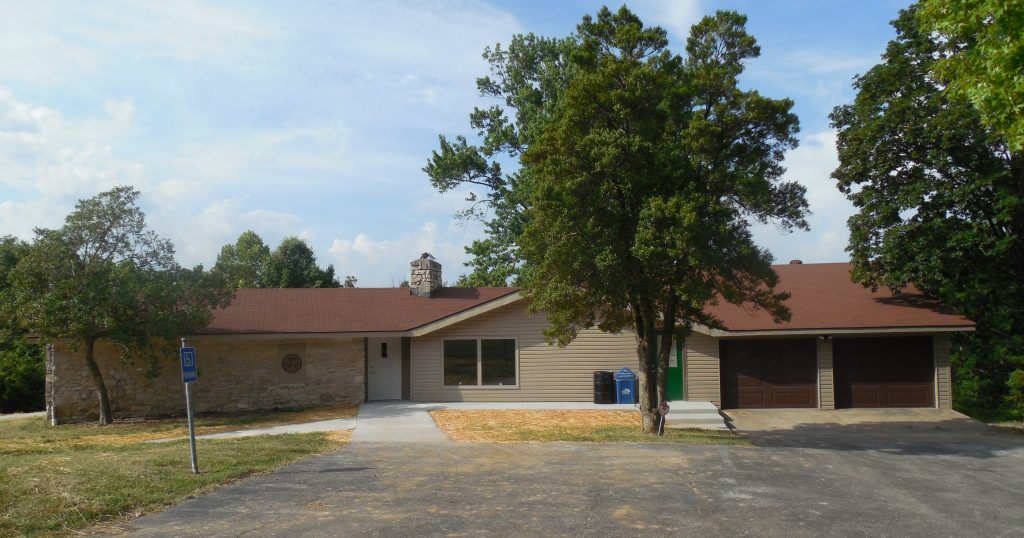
(983, 60)
(646, 173)
(103, 275)
(244, 263)
(940, 203)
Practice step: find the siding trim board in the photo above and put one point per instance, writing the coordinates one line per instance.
(826, 375)
(406, 362)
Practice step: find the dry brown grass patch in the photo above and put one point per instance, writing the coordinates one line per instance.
(339, 437)
(504, 425)
(545, 426)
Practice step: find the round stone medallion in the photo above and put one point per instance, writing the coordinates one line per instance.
(291, 363)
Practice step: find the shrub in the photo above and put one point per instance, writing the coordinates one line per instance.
(22, 377)
(1016, 396)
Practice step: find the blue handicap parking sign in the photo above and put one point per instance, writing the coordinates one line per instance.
(188, 364)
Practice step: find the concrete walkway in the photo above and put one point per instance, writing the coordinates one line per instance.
(397, 422)
(16, 416)
(302, 427)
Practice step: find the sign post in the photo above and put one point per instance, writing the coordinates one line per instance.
(189, 376)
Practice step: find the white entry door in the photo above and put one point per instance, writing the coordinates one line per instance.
(384, 369)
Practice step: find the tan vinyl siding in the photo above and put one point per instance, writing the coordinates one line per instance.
(826, 383)
(943, 383)
(546, 373)
(702, 369)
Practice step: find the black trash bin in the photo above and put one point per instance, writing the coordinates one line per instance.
(604, 387)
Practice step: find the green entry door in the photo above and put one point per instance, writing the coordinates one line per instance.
(674, 389)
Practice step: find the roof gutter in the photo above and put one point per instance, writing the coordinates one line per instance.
(719, 333)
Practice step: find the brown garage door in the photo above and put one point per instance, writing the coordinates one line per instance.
(769, 373)
(884, 372)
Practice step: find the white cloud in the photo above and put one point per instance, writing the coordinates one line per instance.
(812, 164)
(47, 162)
(385, 262)
(676, 16)
(230, 117)
(199, 237)
(47, 42)
(122, 112)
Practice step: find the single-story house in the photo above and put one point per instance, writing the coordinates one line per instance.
(845, 346)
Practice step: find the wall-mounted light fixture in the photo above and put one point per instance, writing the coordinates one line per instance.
(383, 350)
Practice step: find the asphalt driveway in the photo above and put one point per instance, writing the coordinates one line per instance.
(794, 485)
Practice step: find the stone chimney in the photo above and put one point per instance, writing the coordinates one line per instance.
(426, 275)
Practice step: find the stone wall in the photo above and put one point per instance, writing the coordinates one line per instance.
(235, 374)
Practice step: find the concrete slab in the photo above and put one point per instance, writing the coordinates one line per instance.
(16, 416)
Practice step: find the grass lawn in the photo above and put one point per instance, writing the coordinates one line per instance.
(516, 426)
(55, 480)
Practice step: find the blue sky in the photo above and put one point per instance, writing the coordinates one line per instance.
(315, 118)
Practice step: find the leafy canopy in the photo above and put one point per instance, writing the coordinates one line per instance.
(244, 263)
(249, 263)
(983, 62)
(22, 370)
(525, 78)
(940, 203)
(103, 275)
(293, 265)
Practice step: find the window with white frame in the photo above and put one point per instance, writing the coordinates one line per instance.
(480, 362)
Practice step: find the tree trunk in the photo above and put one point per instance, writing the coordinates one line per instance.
(97, 380)
(647, 377)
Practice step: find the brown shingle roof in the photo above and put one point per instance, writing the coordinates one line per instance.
(342, 310)
(823, 297)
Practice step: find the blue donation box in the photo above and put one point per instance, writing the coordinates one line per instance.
(625, 386)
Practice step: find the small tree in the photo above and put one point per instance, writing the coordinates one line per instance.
(102, 275)
(293, 265)
(645, 174)
(244, 263)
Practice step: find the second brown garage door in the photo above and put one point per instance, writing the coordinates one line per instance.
(884, 372)
(769, 373)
